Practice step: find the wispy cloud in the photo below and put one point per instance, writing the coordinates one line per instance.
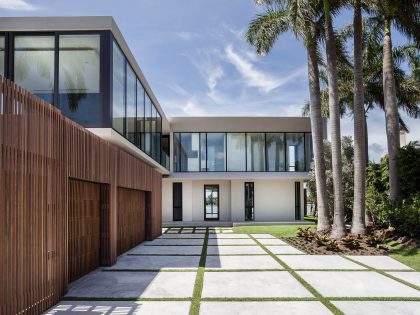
(20, 5)
(255, 77)
(185, 35)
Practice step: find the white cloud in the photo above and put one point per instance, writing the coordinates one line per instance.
(255, 77)
(192, 109)
(20, 5)
(184, 35)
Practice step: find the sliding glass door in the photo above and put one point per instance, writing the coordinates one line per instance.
(211, 202)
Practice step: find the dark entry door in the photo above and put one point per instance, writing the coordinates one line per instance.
(177, 201)
(297, 200)
(249, 201)
(211, 202)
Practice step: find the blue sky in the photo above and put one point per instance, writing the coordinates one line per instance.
(196, 60)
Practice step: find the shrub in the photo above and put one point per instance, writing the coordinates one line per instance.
(307, 233)
(403, 216)
(351, 242)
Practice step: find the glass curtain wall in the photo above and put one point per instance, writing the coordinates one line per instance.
(34, 65)
(2, 44)
(78, 78)
(309, 151)
(118, 90)
(148, 126)
(216, 152)
(295, 154)
(139, 139)
(203, 152)
(189, 151)
(275, 152)
(236, 152)
(255, 152)
(131, 104)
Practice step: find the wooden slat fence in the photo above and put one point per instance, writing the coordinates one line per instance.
(40, 150)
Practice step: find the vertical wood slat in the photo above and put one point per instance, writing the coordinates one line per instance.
(40, 150)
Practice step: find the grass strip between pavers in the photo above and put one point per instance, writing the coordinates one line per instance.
(199, 279)
(311, 289)
(384, 273)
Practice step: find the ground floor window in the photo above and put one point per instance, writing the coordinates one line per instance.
(211, 202)
(249, 201)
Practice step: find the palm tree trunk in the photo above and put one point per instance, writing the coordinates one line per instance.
(358, 225)
(391, 115)
(316, 126)
(338, 229)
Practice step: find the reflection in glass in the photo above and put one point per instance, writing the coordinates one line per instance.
(211, 202)
(216, 152)
(118, 93)
(177, 152)
(131, 104)
(78, 79)
(153, 132)
(309, 152)
(158, 135)
(34, 65)
(203, 151)
(148, 126)
(140, 117)
(255, 152)
(275, 152)
(295, 152)
(190, 147)
(1, 55)
(236, 152)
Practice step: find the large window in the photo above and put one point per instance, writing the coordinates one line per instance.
(242, 152)
(130, 104)
(190, 147)
(275, 152)
(1, 55)
(118, 90)
(216, 152)
(34, 65)
(139, 141)
(295, 154)
(148, 126)
(255, 152)
(236, 152)
(158, 136)
(78, 79)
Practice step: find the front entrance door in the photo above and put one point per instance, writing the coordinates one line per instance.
(249, 201)
(211, 202)
(177, 201)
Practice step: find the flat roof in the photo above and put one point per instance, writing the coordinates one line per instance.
(240, 124)
(81, 23)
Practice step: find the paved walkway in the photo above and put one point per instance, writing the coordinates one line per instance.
(214, 271)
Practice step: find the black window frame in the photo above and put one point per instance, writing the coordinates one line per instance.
(218, 202)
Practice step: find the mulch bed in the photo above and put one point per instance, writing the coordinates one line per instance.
(310, 247)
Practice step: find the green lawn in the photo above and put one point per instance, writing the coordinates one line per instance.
(275, 230)
(404, 253)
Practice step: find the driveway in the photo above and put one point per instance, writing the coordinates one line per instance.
(214, 271)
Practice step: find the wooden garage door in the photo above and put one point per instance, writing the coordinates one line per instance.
(84, 228)
(131, 219)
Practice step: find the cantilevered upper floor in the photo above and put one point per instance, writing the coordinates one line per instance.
(83, 66)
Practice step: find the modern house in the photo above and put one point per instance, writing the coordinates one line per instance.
(97, 167)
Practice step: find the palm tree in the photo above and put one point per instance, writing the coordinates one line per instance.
(358, 225)
(299, 17)
(404, 15)
(338, 229)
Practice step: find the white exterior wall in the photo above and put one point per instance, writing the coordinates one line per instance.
(274, 199)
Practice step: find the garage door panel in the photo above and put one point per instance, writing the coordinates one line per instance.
(84, 228)
(131, 219)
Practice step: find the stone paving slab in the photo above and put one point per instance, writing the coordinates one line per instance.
(262, 235)
(235, 250)
(242, 262)
(379, 307)
(227, 241)
(356, 284)
(259, 308)
(121, 308)
(156, 262)
(182, 236)
(227, 235)
(272, 241)
(179, 241)
(319, 262)
(380, 262)
(172, 232)
(134, 285)
(166, 250)
(187, 231)
(252, 284)
(283, 249)
(411, 277)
